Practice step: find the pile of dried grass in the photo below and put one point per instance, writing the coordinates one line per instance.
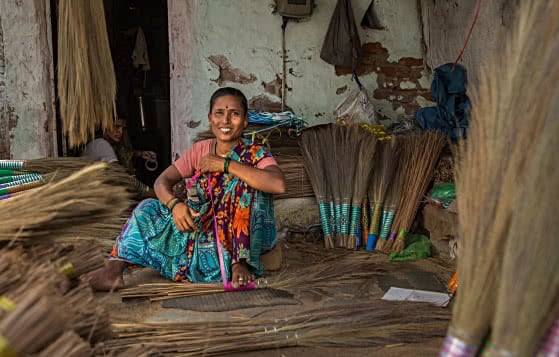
(355, 325)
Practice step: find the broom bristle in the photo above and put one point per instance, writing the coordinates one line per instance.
(69, 344)
(506, 123)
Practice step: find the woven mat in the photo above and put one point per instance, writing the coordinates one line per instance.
(232, 300)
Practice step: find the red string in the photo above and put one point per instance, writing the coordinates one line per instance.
(469, 34)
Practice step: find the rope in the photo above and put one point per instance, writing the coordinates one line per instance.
(478, 6)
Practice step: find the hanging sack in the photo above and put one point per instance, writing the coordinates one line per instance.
(356, 108)
(342, 46)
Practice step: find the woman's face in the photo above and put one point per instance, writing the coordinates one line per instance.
(227, 119)
(116, 132)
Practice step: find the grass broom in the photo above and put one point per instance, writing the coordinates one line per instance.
(392, 195)
(492, 165)
(81, 199)
(87, 83)
(528, 288)
(364, 162)
(69, 344)
(84, 257)
(309, 142)
(419, 171)
(383, 172)
(351, 325)
(36, 321)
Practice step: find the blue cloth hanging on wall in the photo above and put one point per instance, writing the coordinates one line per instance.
(452, 113)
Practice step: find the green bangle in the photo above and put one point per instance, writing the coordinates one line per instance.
(173, 204)
(226, 165)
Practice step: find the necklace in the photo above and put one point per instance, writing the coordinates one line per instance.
(215, 150)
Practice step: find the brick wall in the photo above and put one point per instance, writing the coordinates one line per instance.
(398, 82)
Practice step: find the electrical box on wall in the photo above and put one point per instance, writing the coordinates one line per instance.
(294, 8)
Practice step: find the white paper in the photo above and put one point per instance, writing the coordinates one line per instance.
(400, 294)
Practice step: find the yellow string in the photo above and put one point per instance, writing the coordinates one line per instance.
(6, 304)
(67, 269)
(5, 348)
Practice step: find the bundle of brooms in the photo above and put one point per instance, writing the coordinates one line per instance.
(351, 325)
(330, 272)
(423, 153)
(297, 182)
(86, 77)
(63, 209)
(508, 130)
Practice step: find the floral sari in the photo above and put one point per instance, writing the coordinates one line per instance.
(245, 220)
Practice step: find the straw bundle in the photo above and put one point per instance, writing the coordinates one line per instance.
(36, 321)
(80, 200)
(86, 78)
(84, 258)
(340, 271)
(352, 325)
(68, 344)
(310, 142)
(383, 172)
(366, 144)
(400, 155)
(506, 125)
(425, 152)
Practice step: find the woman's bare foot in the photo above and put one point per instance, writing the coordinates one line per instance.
(240, 274)
(107, 278)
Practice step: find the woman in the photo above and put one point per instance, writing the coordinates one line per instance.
(177, 238)
(114, 146)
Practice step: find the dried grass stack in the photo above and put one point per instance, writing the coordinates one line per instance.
(86, 78)
(383, 173)
(366, 145)
(353, 325)
(58, 209)
(425, 151)
(311, 141)
(297, 182)
(68, 344)
(492, 168)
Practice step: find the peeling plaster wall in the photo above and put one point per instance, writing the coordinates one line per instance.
(238, 43)
(27, 121)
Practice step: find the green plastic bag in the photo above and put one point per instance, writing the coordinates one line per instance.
(444, 191)
(418, 247)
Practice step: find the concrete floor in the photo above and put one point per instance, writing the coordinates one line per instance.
(430, 274)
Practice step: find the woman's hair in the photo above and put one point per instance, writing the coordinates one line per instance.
(225, 91)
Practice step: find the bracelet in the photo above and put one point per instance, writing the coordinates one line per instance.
(169, 201)
(173, 204)
(226, 165)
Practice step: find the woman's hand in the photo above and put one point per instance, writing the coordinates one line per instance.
(148, 155)
(182, 216)
(211, 163)
(240, 275)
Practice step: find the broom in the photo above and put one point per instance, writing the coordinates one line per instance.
(69, 344)
(36, 321)
(87, 83)
(365, 154)
(81, 199)
(310, 148)
(84, 258)
(347, 149)
(383, 173)
(528, 292)
(419, 172)
(350, 325)
(392, 195)
(336, 272)
(492, 165)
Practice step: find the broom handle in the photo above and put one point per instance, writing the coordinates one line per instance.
(23, 180)
(11, 172)
(374, 227)
(227, 286)
(8, 179)
(11, 164)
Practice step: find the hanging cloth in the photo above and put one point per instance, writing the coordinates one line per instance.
(140, 58)
(342, 46)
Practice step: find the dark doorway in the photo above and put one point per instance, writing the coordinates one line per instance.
(138, 33)
(136, 78)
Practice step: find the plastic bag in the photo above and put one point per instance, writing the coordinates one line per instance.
(417, 247)
(446, 191)
(356, 108)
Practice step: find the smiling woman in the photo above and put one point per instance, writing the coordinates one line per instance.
(177, 237)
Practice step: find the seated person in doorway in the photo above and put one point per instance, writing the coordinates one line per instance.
(114, 146)
(177, 238)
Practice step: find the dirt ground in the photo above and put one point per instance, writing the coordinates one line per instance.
(298, 252)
